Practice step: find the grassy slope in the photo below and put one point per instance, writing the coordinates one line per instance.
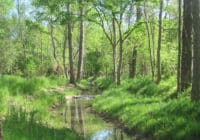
(143, 106)
(26, 104)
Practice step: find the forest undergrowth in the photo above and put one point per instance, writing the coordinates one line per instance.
(157, 111)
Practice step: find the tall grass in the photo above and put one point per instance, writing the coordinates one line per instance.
(26, 105)
(22, 125)
(156, 110)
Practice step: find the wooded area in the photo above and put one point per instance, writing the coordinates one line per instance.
(139, 49)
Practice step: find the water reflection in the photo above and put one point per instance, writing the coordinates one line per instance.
(89, 126)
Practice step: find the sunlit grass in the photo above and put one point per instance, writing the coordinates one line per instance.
(33, 97)
(153, 109)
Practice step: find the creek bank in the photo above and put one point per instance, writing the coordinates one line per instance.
(137, 135)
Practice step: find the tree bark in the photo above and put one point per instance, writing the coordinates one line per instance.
(196, 69)
(149, 41)
(53, 41)
(133, 61)
(120, 56)
(159, 44)
(114, 46)
(179, 47)
(186, 58)
(152, 30)
(64, 53)
(71, 60)
(81, 44)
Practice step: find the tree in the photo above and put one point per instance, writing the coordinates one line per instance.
(81, 42)
(133, 61)
(186, 56)
(179, 46)
(196, 69)
(149, 40)
(110, 18)
(64, 53)
(71, 59)
(159, 43)
(53, 41)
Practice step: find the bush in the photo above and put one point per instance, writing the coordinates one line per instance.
(103, 82)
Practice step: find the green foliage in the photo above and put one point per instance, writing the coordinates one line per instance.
(153, 109)
(93, 63)
(104, 82)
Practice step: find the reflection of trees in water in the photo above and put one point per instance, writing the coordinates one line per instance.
(81, 119)
(74, 115)
(118, 134)
(73, 118)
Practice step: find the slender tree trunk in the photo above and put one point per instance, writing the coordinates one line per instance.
(120, 57)
(64, 53)
(152, 30)
(71, 60)
(21, 34)
(179, 47)
(41, 45)
(53, 41)
(149, 41)
(196, 69)
(159, 44)
(186, 57)
(81, 45)
(114, 46)
(133, 61)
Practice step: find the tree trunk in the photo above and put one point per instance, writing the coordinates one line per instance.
(53, 41)
(114, 46)
(186, 60)
(64, 53)
(81, 45)
(196, 69)
(71, 60)
(120, 57)
(179, 47)
(152, 30)
(133, 63)
(149, 41)
(21, 34)
(159, 43)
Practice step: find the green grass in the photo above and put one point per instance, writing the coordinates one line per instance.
(33, 98)
(153, 109)
(20, 125)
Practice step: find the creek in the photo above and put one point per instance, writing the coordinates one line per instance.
(79, 117)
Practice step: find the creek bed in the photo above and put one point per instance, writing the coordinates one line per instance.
(78, 117)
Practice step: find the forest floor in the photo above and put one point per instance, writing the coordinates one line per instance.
(155, 111)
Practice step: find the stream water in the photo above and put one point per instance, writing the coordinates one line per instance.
(78, 116)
